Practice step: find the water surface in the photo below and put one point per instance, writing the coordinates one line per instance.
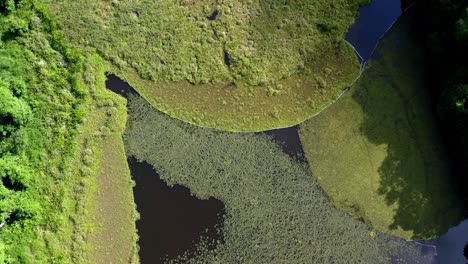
(172, 221)
(374, 20)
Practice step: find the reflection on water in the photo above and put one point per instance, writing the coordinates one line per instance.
(373, 21)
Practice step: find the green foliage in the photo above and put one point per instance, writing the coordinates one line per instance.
(327, 25)
(454, 101)
(446, 34)
(7, 5)
(41, 107)
(14, 112)
(461, 27)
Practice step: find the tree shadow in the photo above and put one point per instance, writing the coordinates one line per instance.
(416, 172)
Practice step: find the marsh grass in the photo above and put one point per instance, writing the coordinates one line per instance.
(377, 151)
(286, 60)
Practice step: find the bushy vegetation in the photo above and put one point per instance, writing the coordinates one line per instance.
(377, 152)
(275, 210)
(443, 25)
(177, 58)
(45, 179)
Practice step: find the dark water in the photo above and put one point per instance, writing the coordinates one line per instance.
(172, 220)
(214, 15)
(119, 86)
(465, 251)
(451, 247)
(288, 139)
(372, 23)
(227, 60)
(162, 235)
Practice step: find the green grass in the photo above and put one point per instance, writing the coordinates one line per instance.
(288, 59)
(49, 142)
(275, 210)
(110, 210)
(377, 152)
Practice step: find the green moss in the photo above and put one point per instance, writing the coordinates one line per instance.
(276, 210)
(377, 152)
(175, 57)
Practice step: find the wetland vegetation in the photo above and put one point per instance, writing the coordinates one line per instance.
(378, 151)
(287, 60)
(373, 172)
(275, 209)
(57, 123)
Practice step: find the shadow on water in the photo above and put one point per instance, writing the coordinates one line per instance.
(364, 35)
(415, 174)
(172, 221)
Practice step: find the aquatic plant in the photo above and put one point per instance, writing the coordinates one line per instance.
(275, 209)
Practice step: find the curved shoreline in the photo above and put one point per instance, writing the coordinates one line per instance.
(346, 89)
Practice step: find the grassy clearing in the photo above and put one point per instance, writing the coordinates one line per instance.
(286, 60)
(377, 152)
(275, 210)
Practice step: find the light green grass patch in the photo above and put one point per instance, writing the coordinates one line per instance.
(109, 208)
(377, 152)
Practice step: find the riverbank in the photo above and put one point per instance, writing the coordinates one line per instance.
(111, 210)
(56, 120)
